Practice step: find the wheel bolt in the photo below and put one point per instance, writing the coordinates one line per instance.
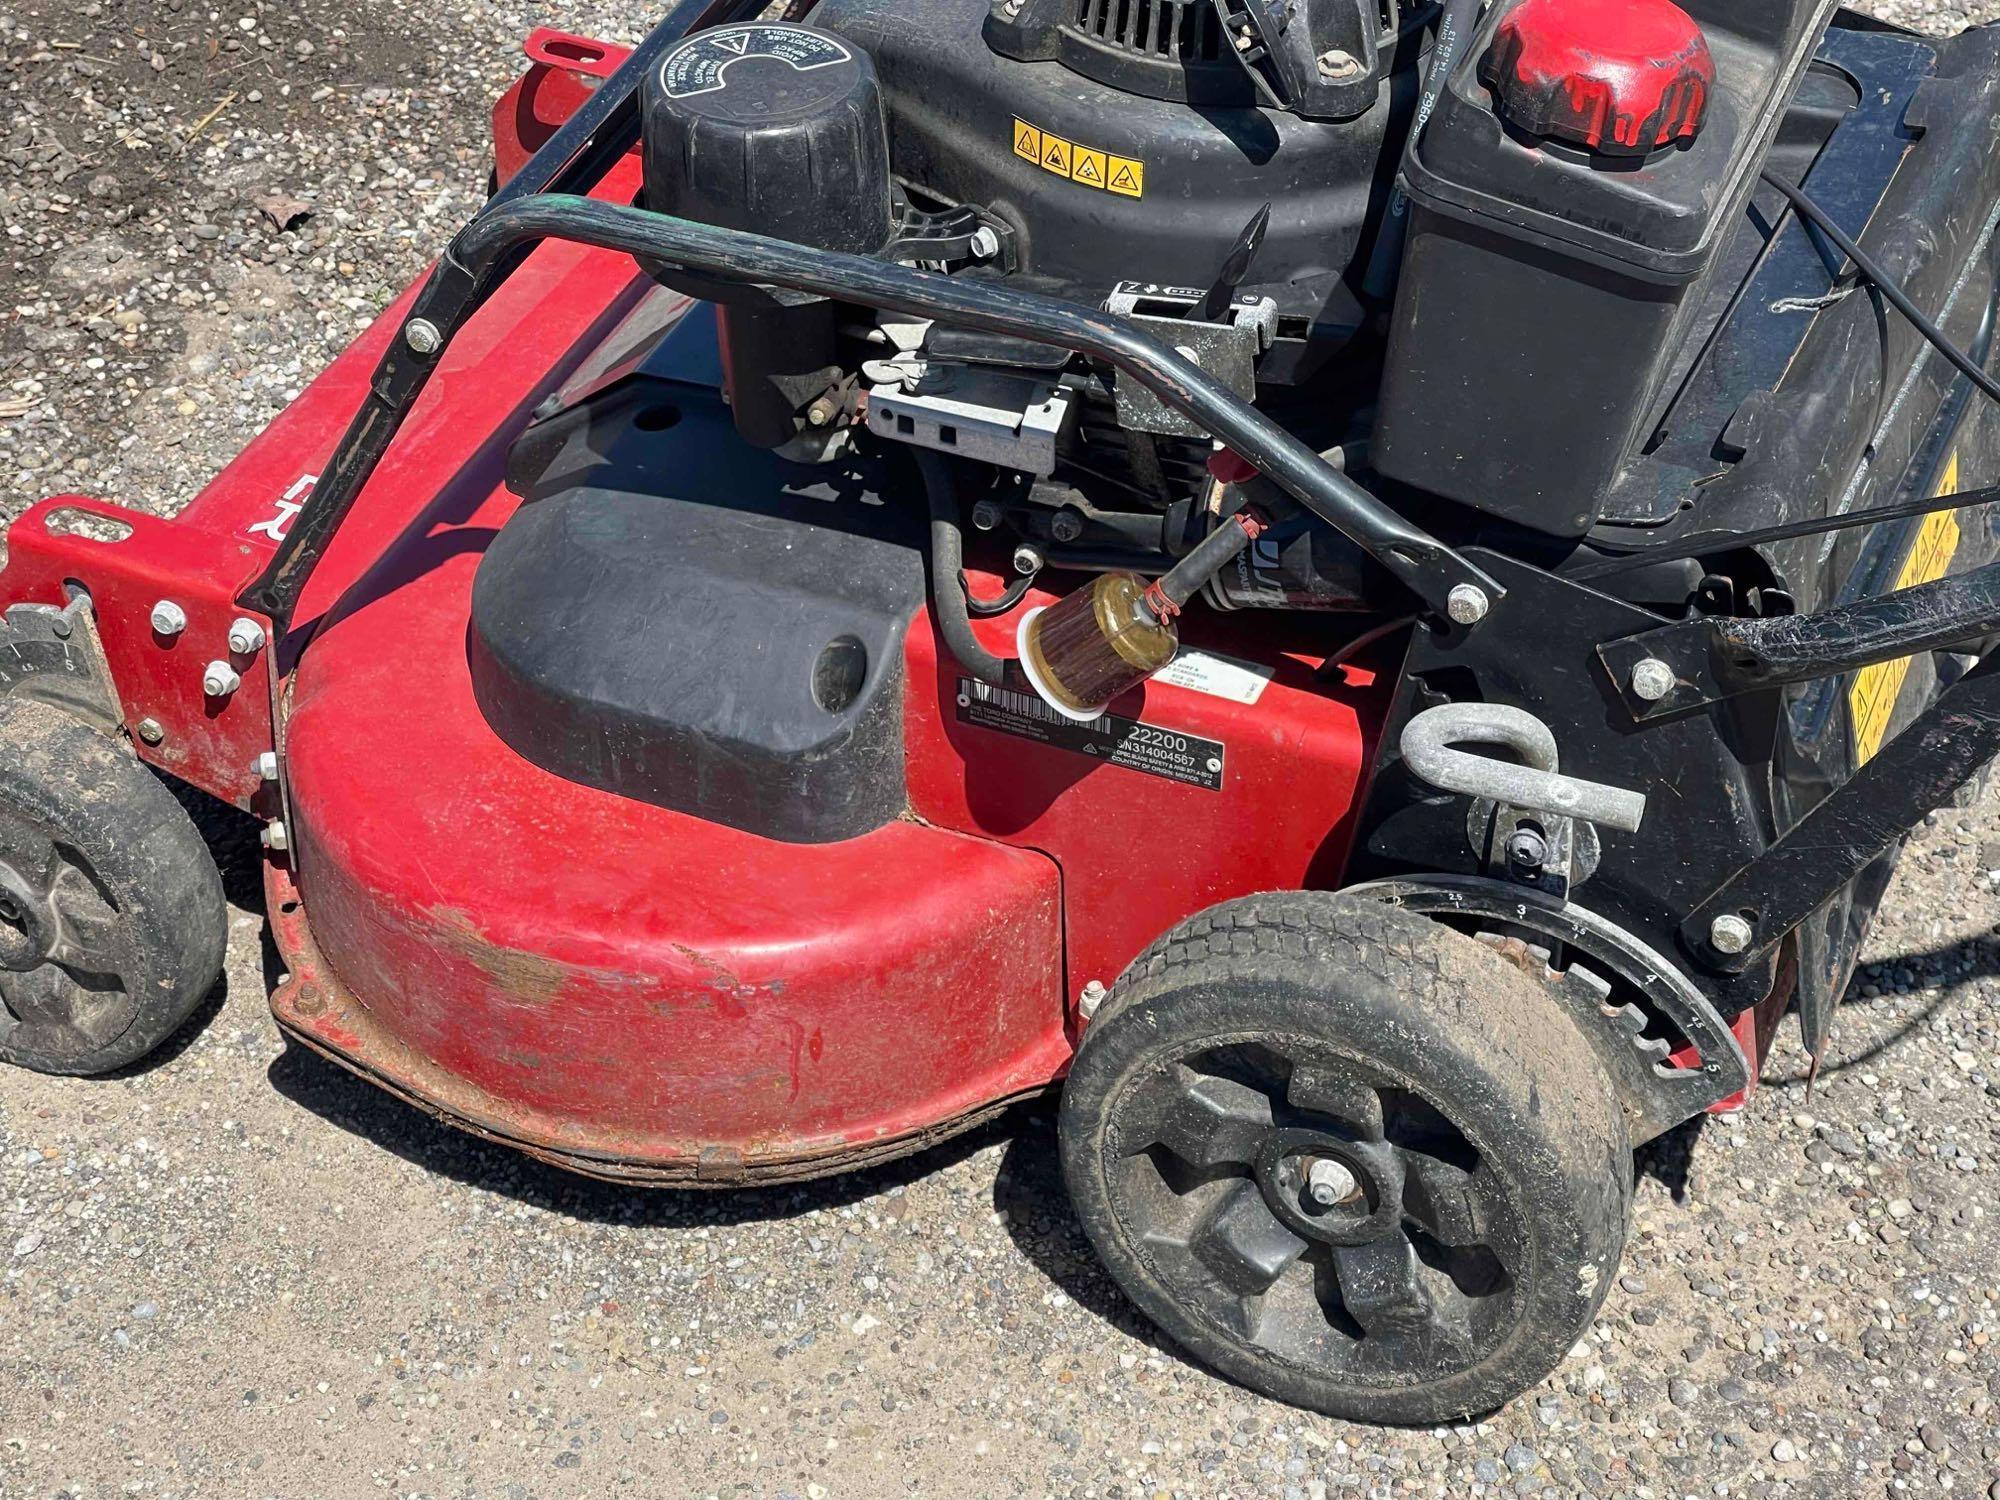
(1329, 1182)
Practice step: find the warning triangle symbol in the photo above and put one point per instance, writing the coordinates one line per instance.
(1025, 137)
(1123, 178)
(1086, 171)
(1055, 156)
(739, 44)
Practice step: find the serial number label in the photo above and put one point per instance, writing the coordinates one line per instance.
(1166, 753)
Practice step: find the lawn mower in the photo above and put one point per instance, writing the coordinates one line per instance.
(1369, 589)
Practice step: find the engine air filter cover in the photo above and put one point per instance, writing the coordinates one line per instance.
(774, 129)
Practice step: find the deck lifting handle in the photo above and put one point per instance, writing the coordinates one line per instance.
(1430, 749)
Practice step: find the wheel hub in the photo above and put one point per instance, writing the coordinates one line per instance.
(1330, 1189)
(28, 927)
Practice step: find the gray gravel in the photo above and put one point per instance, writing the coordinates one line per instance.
(238, 1272)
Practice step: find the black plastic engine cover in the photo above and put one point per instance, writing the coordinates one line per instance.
(690, 622)
(1107, 187)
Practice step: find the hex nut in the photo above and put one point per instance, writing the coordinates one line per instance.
(422, 335)
(1027, 561)
(1652, 680)
(276, 837)
(266, 766)
(1338, 66)
(220, 679)
(1329, 1181)
(169, 619)
(1466, 604)
(1730, 933)
(985, 244)
(151, 731)
(246, 636)
(1092, 997)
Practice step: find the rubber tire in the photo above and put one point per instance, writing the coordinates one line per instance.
(92, 794)
(1458, 1024)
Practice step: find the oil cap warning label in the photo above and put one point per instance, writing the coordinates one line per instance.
(697, 66)
(1167, 753)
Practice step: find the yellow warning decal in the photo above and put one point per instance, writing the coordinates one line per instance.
(1871, 700)
(1078, 163)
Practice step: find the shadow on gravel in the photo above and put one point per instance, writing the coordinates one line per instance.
(1034, 1201)
(361, 1109)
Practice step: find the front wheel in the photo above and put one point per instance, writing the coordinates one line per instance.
(112, 923)
(1352, 1159)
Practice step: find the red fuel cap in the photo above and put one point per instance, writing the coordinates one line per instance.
(1622, 77)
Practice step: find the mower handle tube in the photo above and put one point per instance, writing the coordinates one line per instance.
(1429, 568)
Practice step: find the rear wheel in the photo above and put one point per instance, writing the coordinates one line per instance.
(1352, 1159)
(112, 922)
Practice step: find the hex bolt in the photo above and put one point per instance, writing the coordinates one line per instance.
(220, 679)
(1338, 66)
(422, 335)
(276, 837)
(985, 244)
(1067, 525)
(820, 413)
(151, 732)
(1652, 680)
(246, 636)
(1730, 933)
(169, 619)
(1092, 997)
(986, 516)
(1027, 561)
(266, 766)
(1466, 604)
(1329, 1182)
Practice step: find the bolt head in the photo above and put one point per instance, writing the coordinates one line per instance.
(151, 732)
(1092, 997)
(1652, 680)
(245, 636)
(1466, 604)
(220, 679)
(1527, 848)
(985, 243)
(266, 766)
(986, 516)
(169, 619)
(1338, 66)
(1329, 1182)
(1730, 933)
(276, 837)
(1066, 526)
(1027, 561)
(422, 335)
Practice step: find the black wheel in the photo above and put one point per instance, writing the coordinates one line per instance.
(1352, 1159)
(112, 923)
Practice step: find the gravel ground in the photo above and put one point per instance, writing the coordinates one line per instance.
(235, 1271)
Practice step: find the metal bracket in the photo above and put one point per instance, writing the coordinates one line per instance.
(1656, 1094)
(1693, 663)
(54, 656)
